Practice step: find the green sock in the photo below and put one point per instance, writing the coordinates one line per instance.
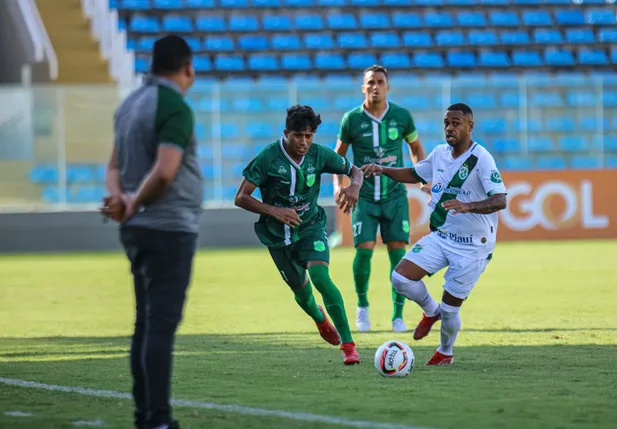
(398, 300)
(361, 274)
(333, 300)
(306, 300)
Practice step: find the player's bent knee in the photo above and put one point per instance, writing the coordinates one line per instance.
(411, 289)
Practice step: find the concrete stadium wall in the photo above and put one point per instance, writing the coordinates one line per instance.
(86, 232)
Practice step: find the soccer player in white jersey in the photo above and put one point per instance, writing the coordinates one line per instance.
(467, 193)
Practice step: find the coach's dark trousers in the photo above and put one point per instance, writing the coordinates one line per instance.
(161, 263)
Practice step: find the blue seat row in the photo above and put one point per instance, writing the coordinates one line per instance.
(265, 62)
(339, 21)
(238, 4)
(383, 40)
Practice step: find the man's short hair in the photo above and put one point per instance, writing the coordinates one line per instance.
(170, 55)
(461, 107)
(376, 68)
(299, 118)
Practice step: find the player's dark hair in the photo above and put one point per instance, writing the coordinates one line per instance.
(461, 107)
(170, 54)
(376, 68)
(300, 118)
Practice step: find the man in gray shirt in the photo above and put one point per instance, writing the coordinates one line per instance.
(154, 170)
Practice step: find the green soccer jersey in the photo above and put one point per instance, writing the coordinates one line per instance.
(378, 141)
(285, 183)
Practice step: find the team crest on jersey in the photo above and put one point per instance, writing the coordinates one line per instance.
(417, 248)
(364, 125)
(463, 172)
(310, 180)
(405, 226)
(310, 168)
(437, 188)
(319, 246)
(282, 170)
(393, 133)
(496, 177)
(379, 151)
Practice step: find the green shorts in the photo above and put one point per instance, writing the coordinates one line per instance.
(392, 217)
(292, 260)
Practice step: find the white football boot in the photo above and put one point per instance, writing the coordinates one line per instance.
(362, 320)
(398, 325)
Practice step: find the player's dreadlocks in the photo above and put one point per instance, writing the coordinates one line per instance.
(376, 68)
(302, 117)
(461, 107)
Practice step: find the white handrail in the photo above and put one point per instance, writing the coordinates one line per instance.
(43, 48)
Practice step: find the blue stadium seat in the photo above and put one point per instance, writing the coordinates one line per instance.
(207, 171)
(263, 62)
(136, 4)
(495, 2)
(504, 19)
(526, 58)
(569, 17)
(549, 36)
(309, 22)
(349, 40)
(558, 124)
(546, 99)
(607, 35)
(580, 35)
(396, 60)
(200, 4)
(406, 20)
(461, 59)
(296, 62)
(345, 103)
(234, 4)
(590, 57)
(318, 41)
(540, 144)
(581, 98)
(537, 18)
(141, 65)
(609, 99)
(558, 57)
(253, 42)
(177, 24)
(342, 21)
(276, 23)
(288, 42)
(219, 43)
(491, 126)
(397, 3)
(586, 162)
(86, 194)
(145, 43)
(483, 37)
(266, 3)
(243, 23)
(299, 3)
(144, 24)
(202, 63)
(506, 145)
(229, 63)
(229, 131)
(278, 103)
(600, 17)
(167, 4)
(385, 40)
(194, 43)
(551, 162)
(518, 37)
(494, 59)
(259, 130)
(329, 61)
(450, 38)
(44, 174)
(76, 173)
(361, 60)
(205, 152)
(210, 24)
(332, 3)
(417, 39)
(471, 19)
(374, 20)
(510, 99)
(573, 143)
(438, 19)
(614, 55)
(516, 164)
(364, 3)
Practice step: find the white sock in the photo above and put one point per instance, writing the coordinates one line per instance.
(415, 291)
(450, 325)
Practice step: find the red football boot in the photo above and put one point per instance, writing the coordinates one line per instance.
(350, 354)
(425, 325)
(440, 359)
(327, 330)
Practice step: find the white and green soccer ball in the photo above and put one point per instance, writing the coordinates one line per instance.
(394, 359)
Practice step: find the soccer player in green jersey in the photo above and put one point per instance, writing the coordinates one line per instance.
(376, 131)
(292, 225)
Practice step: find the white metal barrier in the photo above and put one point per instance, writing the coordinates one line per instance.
(43, 49)
(112, 40)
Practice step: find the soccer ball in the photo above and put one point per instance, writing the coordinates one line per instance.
(394, 359)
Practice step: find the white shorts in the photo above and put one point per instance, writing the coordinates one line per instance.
(463, 272)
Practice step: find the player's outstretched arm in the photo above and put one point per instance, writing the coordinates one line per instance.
(403, 175)
(490, 205)
(245, 200)
(341, 149)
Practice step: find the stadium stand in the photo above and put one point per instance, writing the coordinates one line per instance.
(539, 73)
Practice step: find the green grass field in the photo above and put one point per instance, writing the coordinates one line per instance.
(538, 347)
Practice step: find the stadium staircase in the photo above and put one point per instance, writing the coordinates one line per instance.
(78, 53)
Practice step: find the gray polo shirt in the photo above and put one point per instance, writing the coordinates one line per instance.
(156, 114)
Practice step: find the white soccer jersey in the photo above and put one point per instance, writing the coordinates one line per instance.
(473, 176)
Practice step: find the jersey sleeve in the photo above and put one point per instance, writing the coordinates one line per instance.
(343, 133)
(490, 176)
(333, 163)
(177, 127)
(423, 170)
(255, 171)
(411, 133)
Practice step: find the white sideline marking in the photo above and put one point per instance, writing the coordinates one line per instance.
(238, 409)
(17, 414)
(98, 423)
